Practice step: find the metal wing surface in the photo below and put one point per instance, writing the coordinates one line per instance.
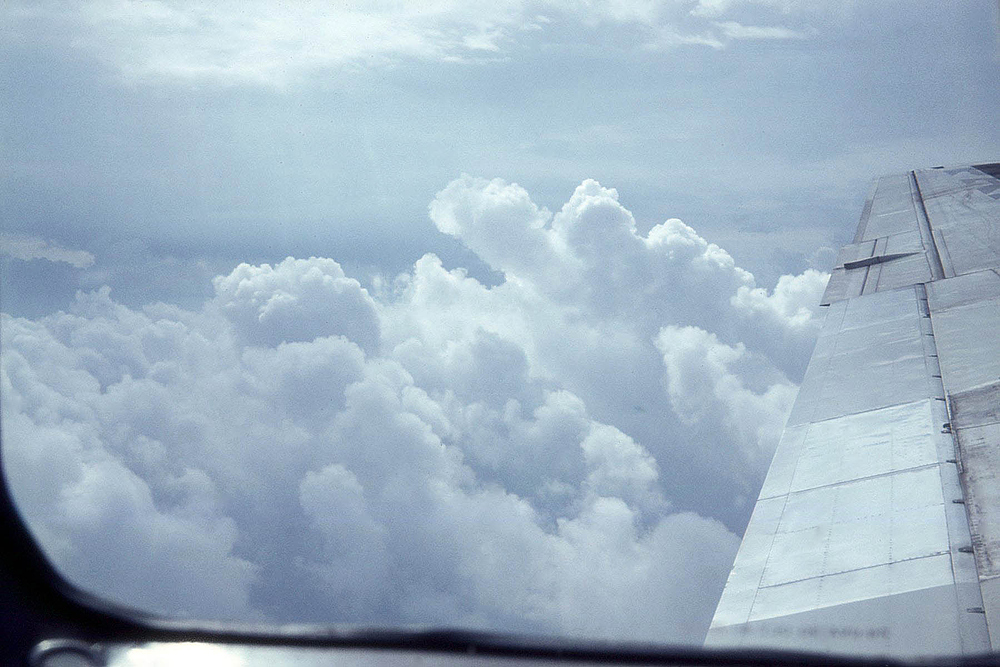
(877, 530)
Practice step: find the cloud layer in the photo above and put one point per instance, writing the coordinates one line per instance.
(258, 43)
(27, 248)
(570, 451)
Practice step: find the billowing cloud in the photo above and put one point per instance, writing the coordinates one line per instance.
(297, 300)
(525, 456)
(784, 321)
(32, 247)
(704, 387)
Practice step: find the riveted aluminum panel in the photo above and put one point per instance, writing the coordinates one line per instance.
(863, 540)
(962, 290)
(741, 587)
(980, 451)
(873, 358)
(820, 545)
(864, 512)
(904, 271)
(873, 442)
(976, 418)
(887, 263)
(853, 586)
(879, 309)
(964, 217)
(976, 407)
(855, 251)
(954, 181)
(786, 456)
(884, 624)
(892, 208)
(968, 343)
(844, 284)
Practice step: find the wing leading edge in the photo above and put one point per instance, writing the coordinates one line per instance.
(877, 530)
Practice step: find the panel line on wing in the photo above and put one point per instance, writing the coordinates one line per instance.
(926, 235)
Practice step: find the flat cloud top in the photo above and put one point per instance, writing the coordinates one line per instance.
(33, 247)
(529, 456)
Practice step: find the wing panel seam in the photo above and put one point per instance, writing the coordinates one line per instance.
(924, 224)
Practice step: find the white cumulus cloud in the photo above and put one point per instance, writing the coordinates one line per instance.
(522, 456)
(297, 300)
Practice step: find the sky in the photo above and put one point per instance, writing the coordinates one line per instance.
(471, 314)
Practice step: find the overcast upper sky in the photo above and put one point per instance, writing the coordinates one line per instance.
(478, 314)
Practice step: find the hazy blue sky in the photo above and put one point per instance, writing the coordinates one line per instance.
(556, 282)
(249, 132)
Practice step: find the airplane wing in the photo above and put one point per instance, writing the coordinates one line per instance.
(877, 530)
